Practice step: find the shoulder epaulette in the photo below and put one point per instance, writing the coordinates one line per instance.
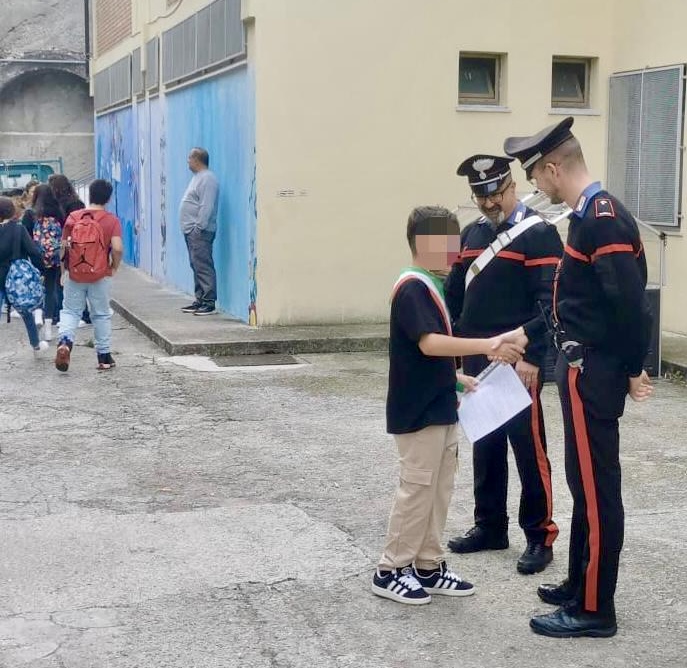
(603, 208)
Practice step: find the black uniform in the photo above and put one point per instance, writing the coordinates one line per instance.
(511, 290)
(600, 304)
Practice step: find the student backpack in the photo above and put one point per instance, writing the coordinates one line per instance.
(23, 285)
(89, 258)
(47, 233)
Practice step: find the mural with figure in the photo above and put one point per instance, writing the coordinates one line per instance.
(133, 151)
(117, 160)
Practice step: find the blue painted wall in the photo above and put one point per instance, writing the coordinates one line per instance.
(143, 150)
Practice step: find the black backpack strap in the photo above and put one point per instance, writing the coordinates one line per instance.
(16, 249)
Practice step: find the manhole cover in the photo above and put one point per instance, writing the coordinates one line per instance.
(255, 360)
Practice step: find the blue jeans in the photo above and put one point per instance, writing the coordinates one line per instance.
(29, 322)
(98, 296)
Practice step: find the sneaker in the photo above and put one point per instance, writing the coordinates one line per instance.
(535, 558)
(46, 332)
(105, 362)
(64, 351)
(205, 309)
(191, 308)
(443, 581)
(40, 349)
(400, 585)
(477, 539)
(38, 317)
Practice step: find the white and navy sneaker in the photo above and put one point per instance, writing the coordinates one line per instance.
(400, 585)
(443, 581)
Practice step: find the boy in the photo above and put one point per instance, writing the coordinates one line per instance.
(421, 413)
(92, 239)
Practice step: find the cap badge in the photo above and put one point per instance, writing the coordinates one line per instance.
(482, 165)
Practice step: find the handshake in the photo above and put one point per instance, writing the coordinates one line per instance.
(508, 347)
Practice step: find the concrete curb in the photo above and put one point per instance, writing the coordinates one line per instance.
(279, 342)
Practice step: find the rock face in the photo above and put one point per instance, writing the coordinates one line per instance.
(45, 108)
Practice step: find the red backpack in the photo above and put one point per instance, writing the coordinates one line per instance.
(89, 257)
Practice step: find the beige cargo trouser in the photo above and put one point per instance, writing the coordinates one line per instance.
(428, 462)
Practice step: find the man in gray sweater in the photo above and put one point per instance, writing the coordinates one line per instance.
(198, 220)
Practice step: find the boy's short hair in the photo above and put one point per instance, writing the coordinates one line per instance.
(99, 192)
(430, 220)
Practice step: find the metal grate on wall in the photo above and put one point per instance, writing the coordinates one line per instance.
(136, 74)
(153, 63)
(212, 37)
(645, 128)
(112, 86)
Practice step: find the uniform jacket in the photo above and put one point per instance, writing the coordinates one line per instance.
(514, 289)
(600, 296)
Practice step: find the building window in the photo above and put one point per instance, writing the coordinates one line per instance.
(645, 139)
(570, 82)
(479, 78)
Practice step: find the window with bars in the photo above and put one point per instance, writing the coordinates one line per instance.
(208, 39)
(645, 129)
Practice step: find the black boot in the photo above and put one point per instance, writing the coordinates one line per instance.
(570, 622)
(535, 558)
(556, 594)
(477, 539)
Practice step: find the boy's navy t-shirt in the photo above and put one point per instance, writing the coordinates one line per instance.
(422, 389)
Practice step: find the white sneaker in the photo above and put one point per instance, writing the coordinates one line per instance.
(40, 349)
(38, 316)
(46, 332)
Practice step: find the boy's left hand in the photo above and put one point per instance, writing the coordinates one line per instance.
(469, 383)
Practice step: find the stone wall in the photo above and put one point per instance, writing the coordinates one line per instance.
(45, 108)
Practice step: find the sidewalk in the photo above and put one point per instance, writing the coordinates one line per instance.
(155, 311)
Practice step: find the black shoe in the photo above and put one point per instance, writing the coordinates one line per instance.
(191, 308)
(535, 558)
(205, 309)
(556, 594)
(477, 539)
(105, 362)
(572, 623)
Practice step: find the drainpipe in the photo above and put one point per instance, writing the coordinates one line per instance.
(87, 36)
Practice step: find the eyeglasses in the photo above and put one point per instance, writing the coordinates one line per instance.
(494, 198)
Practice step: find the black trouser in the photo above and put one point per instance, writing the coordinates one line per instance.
(592, 400)
(490, 464)
(53, 289)
(199, 244)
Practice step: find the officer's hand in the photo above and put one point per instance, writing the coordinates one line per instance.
(504, 352)
(640, 387)
(528, 373)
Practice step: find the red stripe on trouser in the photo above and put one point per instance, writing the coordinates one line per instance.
(543, 466)
(584, 456)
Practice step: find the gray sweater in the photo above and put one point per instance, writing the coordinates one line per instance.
(198, 209)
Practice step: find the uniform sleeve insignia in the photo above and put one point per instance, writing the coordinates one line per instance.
(604, 208)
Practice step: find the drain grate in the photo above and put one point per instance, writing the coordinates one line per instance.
(255, 360)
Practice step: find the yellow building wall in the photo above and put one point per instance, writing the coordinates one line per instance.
(357, 123)
(651, 34)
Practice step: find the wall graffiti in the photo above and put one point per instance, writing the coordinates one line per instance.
(151, 174)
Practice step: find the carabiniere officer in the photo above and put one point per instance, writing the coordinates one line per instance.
(504, 278)
(601, 324)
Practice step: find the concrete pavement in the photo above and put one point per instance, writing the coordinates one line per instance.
(160, 516)
(154, 310)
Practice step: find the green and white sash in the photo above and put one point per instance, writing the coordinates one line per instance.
(416, 274)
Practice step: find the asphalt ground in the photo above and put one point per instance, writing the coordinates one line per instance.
(173, 513)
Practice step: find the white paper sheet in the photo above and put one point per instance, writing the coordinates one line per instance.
(499, 397)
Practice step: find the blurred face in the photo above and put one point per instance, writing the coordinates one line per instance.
(546, 176)
(193, 162)
(438, 251)
(499, 205)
